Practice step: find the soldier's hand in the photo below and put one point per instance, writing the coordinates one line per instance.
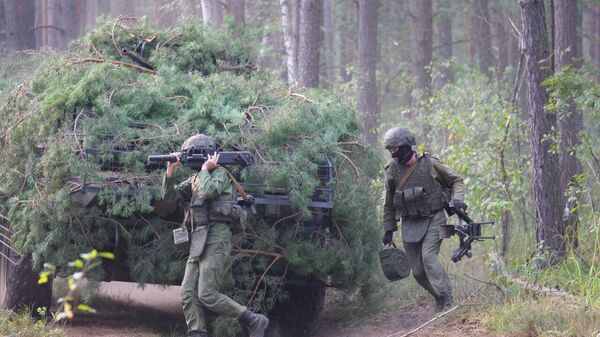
(171, 166)
(458, 204)
(212, 162)
(387, 238)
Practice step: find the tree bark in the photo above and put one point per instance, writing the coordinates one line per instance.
(19, 19)
(589, 26)
(570, 124)
(444, 26)
(484, 40)
(547, 199)
(75, 25)
(422, 43)
(501, 38)
(329, 41)
(57, 24)
(103, 7)
(2, 25)
(289, 41)
(212, 13)
(367, 107)
(311, 14)
(347, 42)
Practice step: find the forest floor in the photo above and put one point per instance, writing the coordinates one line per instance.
(125, 310)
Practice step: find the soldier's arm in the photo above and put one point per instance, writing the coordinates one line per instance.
(171, 192)
(389, 213)
(449, 178)
(214, 183)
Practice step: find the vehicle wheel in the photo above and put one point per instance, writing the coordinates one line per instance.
(20, 288)
(299, 315)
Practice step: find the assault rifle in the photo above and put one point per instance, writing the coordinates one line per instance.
(194, 158)
(467, 230)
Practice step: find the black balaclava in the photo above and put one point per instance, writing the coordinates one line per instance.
(404, 153)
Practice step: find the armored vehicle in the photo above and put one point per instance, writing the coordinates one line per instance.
(88, 120)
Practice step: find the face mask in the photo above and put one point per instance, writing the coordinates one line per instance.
(403, 155)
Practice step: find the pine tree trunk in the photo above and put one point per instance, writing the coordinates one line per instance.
(347, 42)
(212, 13)
(367, 108)
(56, 24)
(571, 123)
(422, 43)
(74, 26)
(329, 41)
(289, 42)
(444, 26)
(2, 25)
(311, 14)
(102, 7)
(472, 36)
(19, 19)
(546, 192)
(501, 39)
(484, 40)
(589, 26)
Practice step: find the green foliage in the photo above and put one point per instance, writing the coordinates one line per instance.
(80, 111)
(23, 325)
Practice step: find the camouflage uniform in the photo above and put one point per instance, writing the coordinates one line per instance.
(200, 286)
(420, 204)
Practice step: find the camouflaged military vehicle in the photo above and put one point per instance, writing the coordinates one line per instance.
(87, 124)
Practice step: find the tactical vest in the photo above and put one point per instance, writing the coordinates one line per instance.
(421, 195)
(203, 212)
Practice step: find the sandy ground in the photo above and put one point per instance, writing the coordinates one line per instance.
(159, 307)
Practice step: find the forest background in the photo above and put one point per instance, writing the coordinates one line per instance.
(506, 92)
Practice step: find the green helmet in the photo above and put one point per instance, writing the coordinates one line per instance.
(199, 141)
(398, 136)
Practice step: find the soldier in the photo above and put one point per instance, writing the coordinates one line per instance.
(210, 242)
(418, 186)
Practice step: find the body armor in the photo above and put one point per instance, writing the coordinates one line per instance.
(421, 195)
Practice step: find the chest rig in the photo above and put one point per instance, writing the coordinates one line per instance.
(202, 212)
(421, 195)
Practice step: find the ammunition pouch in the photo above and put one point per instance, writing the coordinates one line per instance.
(229, 212)
(415, 202)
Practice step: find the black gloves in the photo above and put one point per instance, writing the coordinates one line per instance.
(387, 238)
(458, 204)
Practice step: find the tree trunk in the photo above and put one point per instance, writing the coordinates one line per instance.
(501, 38)
(311, 14)
(472, 36)
(2, 25)
(484, 40)
(237, 9)
(103, 7)
(75, 25)
(570, 124)
(347, 41)
(444, 26)
(589, 26)
(289, 42)
(165, 13)
(56, 24)
(367, 108)
(19, 19)
(546, 191)
(212, 12)
(422, 40)
(329, 41)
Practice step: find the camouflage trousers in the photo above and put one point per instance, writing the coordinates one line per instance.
(423, 259)
(200, 287)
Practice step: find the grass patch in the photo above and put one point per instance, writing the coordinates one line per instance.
(543, 317)
(21, 324)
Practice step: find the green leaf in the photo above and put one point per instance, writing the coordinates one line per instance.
(86, 308)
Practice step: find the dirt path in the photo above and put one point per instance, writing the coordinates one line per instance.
(125, 310)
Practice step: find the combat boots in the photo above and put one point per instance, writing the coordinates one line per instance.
(256, 323)
(443, 303)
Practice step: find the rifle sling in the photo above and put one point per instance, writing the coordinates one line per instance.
(407, 175)
(237, 185)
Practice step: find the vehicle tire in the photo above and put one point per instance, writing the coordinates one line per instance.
(20, 287)
(299, 314)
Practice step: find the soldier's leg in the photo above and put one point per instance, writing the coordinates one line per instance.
(435, 272)
(413, 254)
(192, 308)
(211, 266)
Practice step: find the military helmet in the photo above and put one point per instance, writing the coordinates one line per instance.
(199, 141)
(398, 136)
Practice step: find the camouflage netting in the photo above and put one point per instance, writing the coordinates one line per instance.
(87, 102)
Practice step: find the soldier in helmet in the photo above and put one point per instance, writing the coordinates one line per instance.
(210, 244)
(418, 187)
